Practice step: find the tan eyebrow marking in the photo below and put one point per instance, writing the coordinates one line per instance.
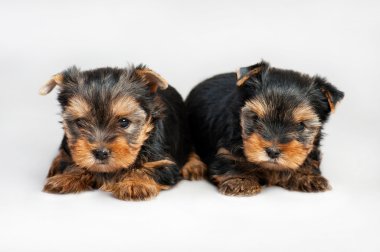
(78, 107)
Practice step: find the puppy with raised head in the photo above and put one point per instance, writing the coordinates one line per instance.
(124, 132)
(261, 126)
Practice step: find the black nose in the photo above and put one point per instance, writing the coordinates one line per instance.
(101, 154)
(273, 152)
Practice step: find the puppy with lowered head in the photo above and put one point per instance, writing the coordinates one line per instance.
(261, 126)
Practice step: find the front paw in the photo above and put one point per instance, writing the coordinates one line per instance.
(134, 190)
(312, 184)
(239, 187)
(66, 183)
(194, 169)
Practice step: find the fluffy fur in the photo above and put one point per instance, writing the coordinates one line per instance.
(261, 126)
(125, 132)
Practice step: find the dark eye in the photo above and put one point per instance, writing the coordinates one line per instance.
(254, 117)
(301, 126)
(124, 122)
(80, 123)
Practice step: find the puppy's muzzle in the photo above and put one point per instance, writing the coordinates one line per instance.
(273, 152)
(101, 154)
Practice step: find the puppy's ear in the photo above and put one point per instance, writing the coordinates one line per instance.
(152, 79)
(55, 80)
(68, 77)
(332, 94)
(254, 72)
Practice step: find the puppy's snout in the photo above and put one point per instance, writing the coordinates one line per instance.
(273, 152)
(101, 154)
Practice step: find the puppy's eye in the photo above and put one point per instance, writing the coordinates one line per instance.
(80, 123)
(124, 123)
(301, 126)
(253, 117)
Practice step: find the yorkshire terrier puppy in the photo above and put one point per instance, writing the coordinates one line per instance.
(261, 126)
(125, 132)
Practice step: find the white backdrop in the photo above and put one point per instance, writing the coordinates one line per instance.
(187, 42)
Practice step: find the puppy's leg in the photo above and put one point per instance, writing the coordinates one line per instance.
(307, 178)
(194, 169)
(306, 183)
(65, 177)
(145, 182)
(228, 174)
(72, 180)
(60, 163)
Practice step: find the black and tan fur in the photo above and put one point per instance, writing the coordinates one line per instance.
(261, 126)
(125, 132)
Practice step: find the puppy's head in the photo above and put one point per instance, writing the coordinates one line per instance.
(282, 114)
(107, 113)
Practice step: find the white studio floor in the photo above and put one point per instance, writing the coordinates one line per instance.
(186, 43)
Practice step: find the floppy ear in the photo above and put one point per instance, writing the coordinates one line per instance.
(256, 72)
(55, 80)
(67, 77)
(332, 94)
(153, 79)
